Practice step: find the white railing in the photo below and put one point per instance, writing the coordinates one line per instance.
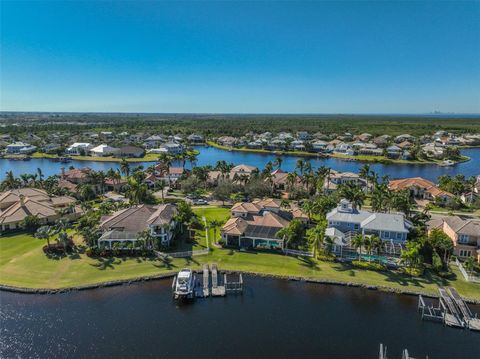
(185, 254)
(468, 277)
(294, 252)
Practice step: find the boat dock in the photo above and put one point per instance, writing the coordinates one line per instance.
(451, 310)
(215, 285)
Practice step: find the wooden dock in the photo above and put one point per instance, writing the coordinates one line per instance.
(471, 321)
(452, 310)
(452, 318)
(214, 284)
(217, 289)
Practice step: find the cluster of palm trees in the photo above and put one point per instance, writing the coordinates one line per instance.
(372, 244)
(24, 180)
(59, 229)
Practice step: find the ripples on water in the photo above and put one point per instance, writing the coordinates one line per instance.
(273, 318)
(210, 155)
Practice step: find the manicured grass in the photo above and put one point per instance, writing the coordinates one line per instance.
(23, 264)
(149, 157)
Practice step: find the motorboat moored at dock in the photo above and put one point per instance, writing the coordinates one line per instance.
(184, 285)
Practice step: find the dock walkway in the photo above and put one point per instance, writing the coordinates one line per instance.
(471, 321)
(217, 290)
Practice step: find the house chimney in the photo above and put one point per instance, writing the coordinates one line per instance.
(22, 200)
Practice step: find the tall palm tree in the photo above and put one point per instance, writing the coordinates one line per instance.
(40, 174)
(357, 242)
(10, 181)
(365, 173)
(300, 165)
(278, 162)
(214, 224)
(291, 179)
(160, 186)
(25, 179)
(125, 167)
(353, 193)
(316, 235)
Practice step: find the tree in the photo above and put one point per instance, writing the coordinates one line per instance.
(30, 223)
(316, 235)
(411, 254)
(365, 173)
(125, 167)
(86, 192)
(353, 193)
(160, 186)
(184, 214)
(138, 192)
(223, 190)
(292, 233)
(44, 233)
(278, 162)
(214, 224)
(357, 242)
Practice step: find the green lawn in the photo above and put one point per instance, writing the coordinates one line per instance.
(23, 264)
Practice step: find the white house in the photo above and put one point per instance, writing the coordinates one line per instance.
(78, 148)
(103, 150)
(20, 148)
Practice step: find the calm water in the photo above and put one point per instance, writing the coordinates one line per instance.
(273, 319)
(210, 155)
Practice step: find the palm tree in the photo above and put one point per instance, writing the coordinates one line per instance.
(125, 167)
(365, 173)
(317, 235)
(160, 186)
(291, 179)
(25, 179)
(309, 207)
(300, 166)
(10, 181)
(357, 242)
(214, 223)
(278, 162)
(40, 174)
(44, 232)
(353, 193)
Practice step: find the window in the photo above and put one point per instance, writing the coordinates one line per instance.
(399, 236)
(463, 238)
(386, 234)
(465, 253)
(357, 226)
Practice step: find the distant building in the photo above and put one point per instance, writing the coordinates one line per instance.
(79, 148)
(20, 148)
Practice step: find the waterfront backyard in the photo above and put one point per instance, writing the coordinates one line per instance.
(23, 264)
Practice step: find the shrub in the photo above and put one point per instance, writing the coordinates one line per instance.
(369, 265)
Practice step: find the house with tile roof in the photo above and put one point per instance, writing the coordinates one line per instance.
(464, 233)
(420, 188)
(257, 223)
(17, 204)
(127, 224)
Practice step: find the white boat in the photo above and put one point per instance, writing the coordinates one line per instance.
(447, 163)
(184, 284)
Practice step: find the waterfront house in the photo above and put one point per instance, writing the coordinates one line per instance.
(387, 226)
(464, 233)
(130, 152)
(79, 148)
(103, 150)
(194, 138)
(404, 137)
(394, 151)
(336, 179)
(17, 204)
(228, 141)
(172, 148)
(420, 188)
(253, 225)
(154, 141)
(20, 148)
(126, 225)
(319, 145)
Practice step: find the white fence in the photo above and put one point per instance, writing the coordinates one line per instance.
(185, 254)
(468, 277)
(294, 252)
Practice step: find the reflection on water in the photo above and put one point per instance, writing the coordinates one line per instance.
(273, 318)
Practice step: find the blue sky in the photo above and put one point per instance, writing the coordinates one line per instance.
(242, 57)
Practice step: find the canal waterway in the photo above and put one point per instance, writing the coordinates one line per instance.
(210, 155)
(272, 319)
